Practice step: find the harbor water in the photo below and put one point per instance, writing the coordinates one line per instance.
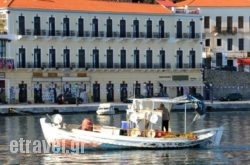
(234, 148)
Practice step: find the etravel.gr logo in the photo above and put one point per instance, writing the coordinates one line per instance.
(41, 146)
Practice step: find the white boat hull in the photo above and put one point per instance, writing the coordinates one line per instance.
(108, 112)
(57, 137)
(105, 109)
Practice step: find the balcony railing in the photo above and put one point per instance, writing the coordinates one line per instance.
(73, 65)
(88, 34)
(225, 30)
(188, 35)
(229, 30)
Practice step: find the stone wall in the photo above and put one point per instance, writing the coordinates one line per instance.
(225, 82)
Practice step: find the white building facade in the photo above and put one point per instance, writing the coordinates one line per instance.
(228, 34)
(110, 56)
(226, 27)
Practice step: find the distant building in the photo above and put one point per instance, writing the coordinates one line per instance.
(226, 26)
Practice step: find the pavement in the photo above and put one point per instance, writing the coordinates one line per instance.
(12, 109)
(25, 109)
(228, 105)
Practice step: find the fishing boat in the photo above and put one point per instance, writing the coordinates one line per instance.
(141, 130)
(105, 109)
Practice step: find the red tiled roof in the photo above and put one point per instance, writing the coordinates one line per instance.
(167, 3)
(86, 5)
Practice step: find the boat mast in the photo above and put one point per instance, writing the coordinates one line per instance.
(185, 118)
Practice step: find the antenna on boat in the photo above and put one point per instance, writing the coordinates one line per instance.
(185, 118)
(49, 117)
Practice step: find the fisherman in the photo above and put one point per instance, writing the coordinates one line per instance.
(165, 117)
(87, 124)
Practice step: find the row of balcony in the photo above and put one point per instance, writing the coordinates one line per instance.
(102, 34)
(106, 66)
(225, 30)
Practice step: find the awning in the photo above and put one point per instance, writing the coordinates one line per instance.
(184, 83)
(61, 79)
(75, 79)
(10, 37)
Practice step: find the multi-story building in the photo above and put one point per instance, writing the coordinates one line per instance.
(226, 27)
(109, 49)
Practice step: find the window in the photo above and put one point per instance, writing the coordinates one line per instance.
(109, 27)
(149, 29)
(229, 24)
(191, 59)
(162, 59)
(94, 27)
(52, 58)
(218, 59)
(241, 22)
(110, 58)
(37, 26)
(37, 58)
(66, 58)
(229, 44)
(95, 62)
(192, 29)
(179, 29)
(81, 58)
(123, 58)
(241, 44)
(218, 24)
(3, 48)
(136, 58)
(136, 29)
(161, 29)
(80, 27)
(179, 59)
(3, 23)
(122, 28)
(149, 58)
(22, 58)
(206, 22)
(21, 23)
(66, 26)
(207, 42)
(51, 26)
(219, 42)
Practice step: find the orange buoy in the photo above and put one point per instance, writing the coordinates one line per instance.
(87, 124)
(159, 133)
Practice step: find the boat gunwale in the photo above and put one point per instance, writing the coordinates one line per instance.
(78, 132)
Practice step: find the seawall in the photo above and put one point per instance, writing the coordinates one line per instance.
(29, 109)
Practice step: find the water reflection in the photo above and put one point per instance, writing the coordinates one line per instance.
(234, 149)
(189, 156)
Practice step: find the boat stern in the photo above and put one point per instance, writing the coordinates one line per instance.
(218, 136)
(210, 136)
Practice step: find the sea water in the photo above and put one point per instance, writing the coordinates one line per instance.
(234, 148)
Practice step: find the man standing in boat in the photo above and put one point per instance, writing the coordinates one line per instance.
(165, 117)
